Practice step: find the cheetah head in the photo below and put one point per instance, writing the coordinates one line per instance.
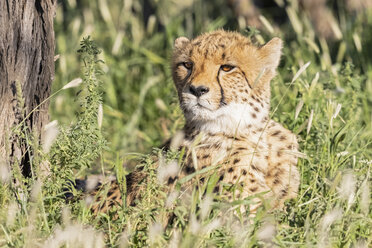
(222, 78)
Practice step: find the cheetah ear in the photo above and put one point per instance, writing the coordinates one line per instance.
(180, 42)
(271, 52)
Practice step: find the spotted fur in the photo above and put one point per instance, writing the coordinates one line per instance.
(223, 85)
(234, 112)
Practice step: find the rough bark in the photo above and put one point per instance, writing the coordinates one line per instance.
(27, 60)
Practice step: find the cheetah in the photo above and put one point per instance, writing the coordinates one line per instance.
(223, 86)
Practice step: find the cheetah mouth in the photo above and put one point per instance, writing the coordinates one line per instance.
(202, 106)
(198, 105)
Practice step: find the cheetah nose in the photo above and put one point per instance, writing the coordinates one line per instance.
(198, 91)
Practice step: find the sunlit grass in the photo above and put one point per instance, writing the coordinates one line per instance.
(326, 103)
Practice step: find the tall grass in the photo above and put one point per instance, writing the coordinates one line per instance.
(327, 103)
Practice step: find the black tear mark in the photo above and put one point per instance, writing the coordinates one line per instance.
(245, 77)
(222, 100)
(189, 72)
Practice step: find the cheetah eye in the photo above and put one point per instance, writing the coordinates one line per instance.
(227, 68)
(187, 65)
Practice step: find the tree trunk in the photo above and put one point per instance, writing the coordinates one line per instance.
(26, 71)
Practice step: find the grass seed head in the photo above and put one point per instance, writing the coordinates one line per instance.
(75, 236)
(216, 223)
(267, 232)
(342, 154)
(51, 133)
(74, 83)
(325, 224)
(155, 232)
(329, 218)
(360, 244)
(365, 197)
(13, 209)
(347, 188)
(160, 104)
(175, 239)
(337, 111)
(169, 170)
(298, 108)
(66, 216)
(124, 240)
(205, 206)
(5, 174)
(91, 183)
(172, 197)
(45, 168)
(310, 121)
(100, 115)
(88, 200)
(194, 225)
(177, 140)
(36, 190)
